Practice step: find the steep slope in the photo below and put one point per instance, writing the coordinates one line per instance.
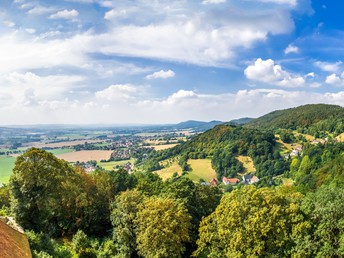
(321, 117)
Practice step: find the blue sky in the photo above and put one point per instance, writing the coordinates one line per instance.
(138, 61)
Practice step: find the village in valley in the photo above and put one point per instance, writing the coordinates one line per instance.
(120, 148)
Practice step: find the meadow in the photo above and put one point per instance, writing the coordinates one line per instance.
(168, 172)
(6, 167)
(110, 165)
(201, 169)
(163, 146)
(340, 137)
(247, 163)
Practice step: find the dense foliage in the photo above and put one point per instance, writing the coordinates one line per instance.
(253, 223)
(310, 119)
(222, 145)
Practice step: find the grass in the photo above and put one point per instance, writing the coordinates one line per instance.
(307, 136)
(167, 172)
(60, 151)
(201, 169)
(112, 164)
(6, 167)
(247, 163)
(284, 147)
(340, 137)
(163, 147)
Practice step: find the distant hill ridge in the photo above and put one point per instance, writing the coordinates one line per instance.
(197, 124)
(241, 121)
(322, 116)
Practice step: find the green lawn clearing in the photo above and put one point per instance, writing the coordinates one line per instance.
(112, 164)
(6, 167)
(60, 151)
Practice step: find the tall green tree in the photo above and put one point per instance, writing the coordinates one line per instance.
(325, 209)
(37, 185)
(162, 228)
(253, 222)
(122, 217)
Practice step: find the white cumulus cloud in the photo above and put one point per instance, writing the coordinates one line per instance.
(39, 10)
(161, 74)
(267, 71)
(119, 13)
(291, 49)
(122, 92)
(213, 1)
(65, 14)
(336, 80)
(328, 67)
(287, 2)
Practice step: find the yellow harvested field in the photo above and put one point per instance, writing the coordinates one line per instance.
(247, 163)
(168, 172)
(85, 155)
(61, 144)
(340, 137)
(164, 146)
(201, 169)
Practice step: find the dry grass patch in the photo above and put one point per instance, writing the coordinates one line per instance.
(164, 146)
(247, 163)
(85, 155)
(201, 169)
(307, 136)
(168, 172)
(340, 137)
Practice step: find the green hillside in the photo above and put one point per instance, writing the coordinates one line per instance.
(222, 145)
(311, 118)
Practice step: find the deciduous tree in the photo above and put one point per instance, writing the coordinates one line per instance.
(162, 228)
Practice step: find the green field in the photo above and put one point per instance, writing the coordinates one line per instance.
(60, 151)
(6, 167)
(112, 164)
(201, 169)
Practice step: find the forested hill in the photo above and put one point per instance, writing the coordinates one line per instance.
(313, 117)
(222, 145)
(197, 125)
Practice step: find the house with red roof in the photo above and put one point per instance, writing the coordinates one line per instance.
(232, 181)
(213, 182)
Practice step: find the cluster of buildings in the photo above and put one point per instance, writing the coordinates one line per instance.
(247, 179)
(120, 154)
